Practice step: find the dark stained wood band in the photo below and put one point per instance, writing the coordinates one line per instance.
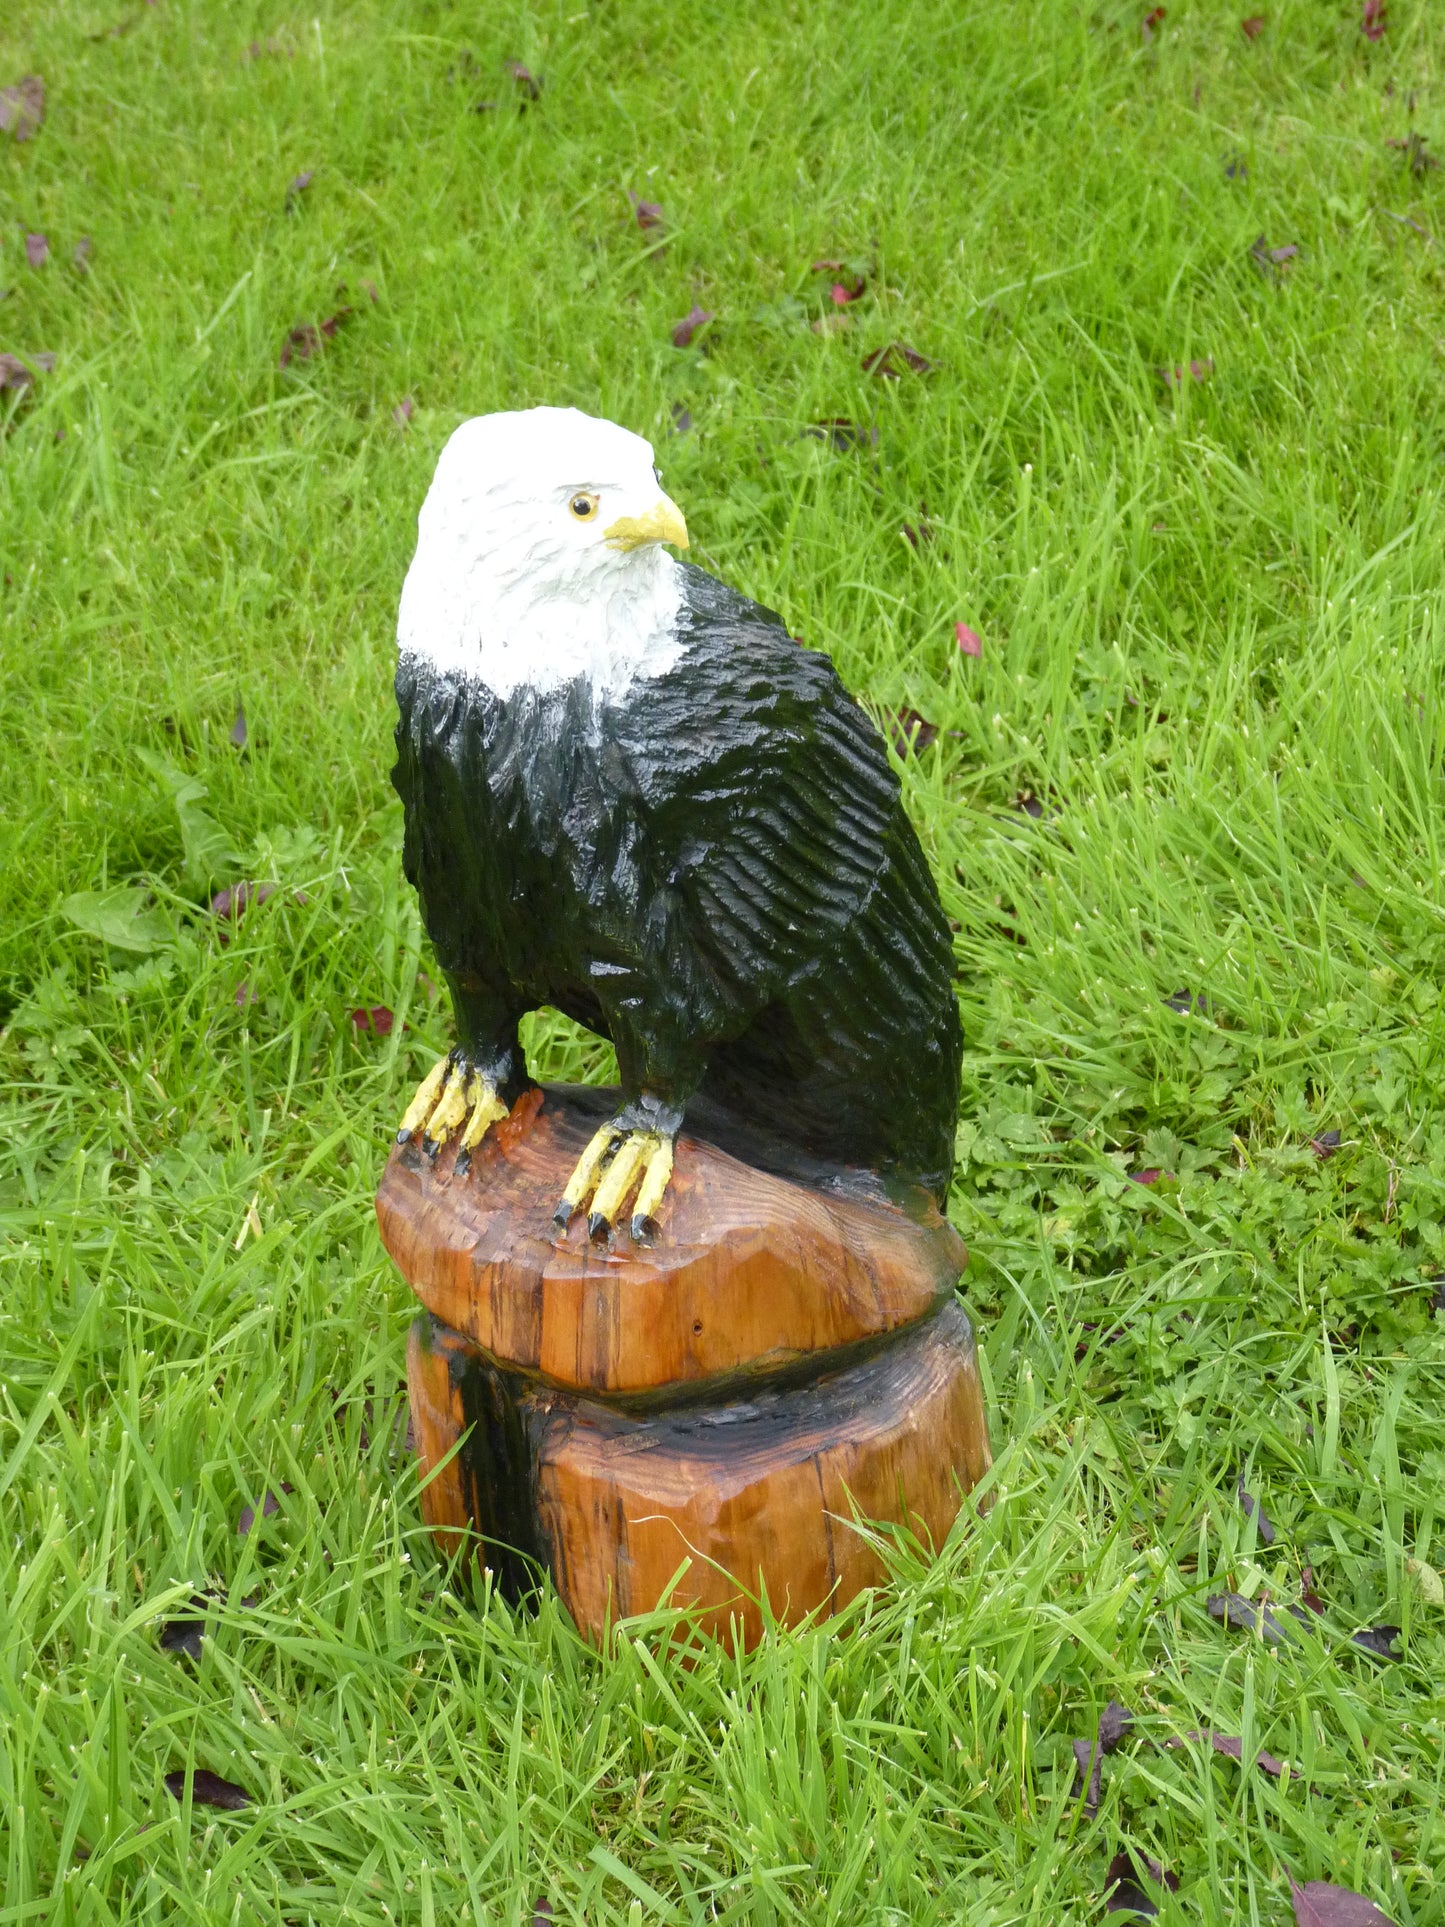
(743, 1499)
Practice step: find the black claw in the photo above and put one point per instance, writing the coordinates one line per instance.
(643, 1230)
(429, 1148)
(598, 1228)
(563, 1214)
(403, 1137)
(462, 1165)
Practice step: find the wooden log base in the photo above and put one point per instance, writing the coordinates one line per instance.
(709, 1506)
(757, 1263)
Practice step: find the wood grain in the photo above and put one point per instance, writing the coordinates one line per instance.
(750, 1270)
(709, 1506)
(759, 1497)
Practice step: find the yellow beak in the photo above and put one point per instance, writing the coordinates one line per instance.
(661, 524)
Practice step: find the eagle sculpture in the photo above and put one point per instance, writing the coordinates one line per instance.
(631, 795)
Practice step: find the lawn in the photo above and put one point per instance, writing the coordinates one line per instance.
(1184, 805)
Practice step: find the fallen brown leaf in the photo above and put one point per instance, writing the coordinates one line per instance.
(526, 83)
(208, 1789)
(1230, 1746)
(1317, 1904)
(16, 375)
(22, 108)
(684, 330)
(897, 359)
(307, 338)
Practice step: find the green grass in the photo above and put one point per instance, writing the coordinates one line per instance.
(1211, 645)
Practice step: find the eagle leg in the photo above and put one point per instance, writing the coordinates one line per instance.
(614, 1161)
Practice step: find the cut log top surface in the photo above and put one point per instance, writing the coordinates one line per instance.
(749, 1271)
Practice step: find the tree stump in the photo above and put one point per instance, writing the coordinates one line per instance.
(699, 1420)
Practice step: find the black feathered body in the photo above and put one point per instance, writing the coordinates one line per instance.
(714, 870)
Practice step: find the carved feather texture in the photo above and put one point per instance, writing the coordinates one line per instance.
(714, 869)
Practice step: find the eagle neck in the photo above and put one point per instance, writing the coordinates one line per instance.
(511, 633)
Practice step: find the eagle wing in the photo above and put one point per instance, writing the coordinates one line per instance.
(768, 792)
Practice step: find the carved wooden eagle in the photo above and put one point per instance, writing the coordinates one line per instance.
(631, 795)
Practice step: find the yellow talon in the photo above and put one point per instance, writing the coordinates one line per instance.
(584, 1172)
(618, 1177)
(487, 1110)
(654, 1183)
(420, 1107)
(451, 1109)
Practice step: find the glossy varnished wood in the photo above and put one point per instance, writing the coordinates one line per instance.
(712, 1506)
(749, 1270)
(760, 1497)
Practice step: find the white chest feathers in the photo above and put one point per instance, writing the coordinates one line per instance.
(520, 629)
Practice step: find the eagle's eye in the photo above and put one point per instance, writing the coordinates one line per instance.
(583, 507)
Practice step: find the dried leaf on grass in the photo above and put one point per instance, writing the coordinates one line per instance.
(1151, 23)
(1182, 373)
(296, 189)
(1254, 1510)
(1186, 1003)
(1116, 1723)
(840, 433)
(37, 250)
(1088, 1767)
(1125, 1892)
(969, 641)
(239, 735)
(683, 331)
(309, 338)
(183, 1635)
(1417, 159)
(22, 108)
(647, 214)
(909, 731)
(376, 1018)
(1317, 1904)
(850, 284)
(527, 84)
(1232, 1609)
(1378, 1641)
(208, 1789)
(1230, 1746)
(1272, 261)
(232, 903)
(1372, 20)
(249, 1514)
(897, 359)
(17, 375)
(1253, 27)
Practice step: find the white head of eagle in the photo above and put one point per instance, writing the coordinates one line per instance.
(540, 557)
